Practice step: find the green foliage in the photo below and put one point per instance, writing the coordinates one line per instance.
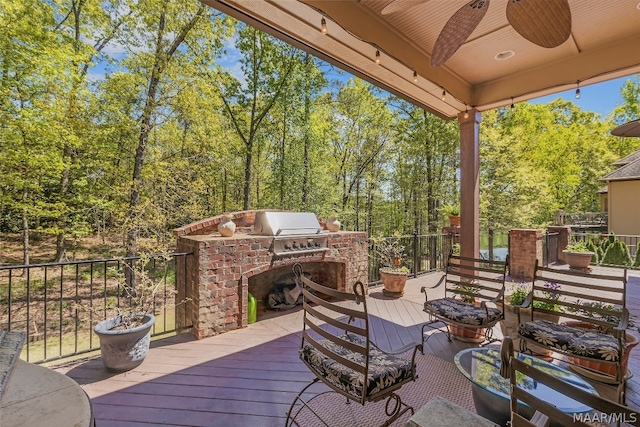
(466, 293)
(578, 246)
(636, 262)
(518, 293)
(169, 134)
(592, 309)
(617, 253)
(451, 210)
(592, 246)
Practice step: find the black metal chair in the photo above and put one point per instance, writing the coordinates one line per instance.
(605, 411)
(337, 349)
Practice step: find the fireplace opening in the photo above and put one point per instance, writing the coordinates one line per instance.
(327, 273)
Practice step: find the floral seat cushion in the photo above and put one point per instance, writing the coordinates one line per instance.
(462, 312)
(572, 341)
(385, 370)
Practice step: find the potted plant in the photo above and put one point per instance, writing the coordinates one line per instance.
(392, 273)
(578, 255)
(453, 213)
(125, 337)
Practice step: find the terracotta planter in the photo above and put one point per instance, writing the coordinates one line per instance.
(592, 365)
(393, 282)
(578, 260)
(454, 220)
(466, 334)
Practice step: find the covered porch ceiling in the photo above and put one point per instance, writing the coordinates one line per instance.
(496, 66)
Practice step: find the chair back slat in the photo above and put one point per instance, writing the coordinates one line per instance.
(358, 314)
(340, 324)
(361, 369)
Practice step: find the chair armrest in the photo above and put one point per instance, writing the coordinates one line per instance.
(498, 297)
(525, 304)
(413, 347)
(506, 353)
(424, 288)
(494, 300)
(619, 331)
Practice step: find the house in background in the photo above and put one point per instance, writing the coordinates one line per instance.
(621, 196)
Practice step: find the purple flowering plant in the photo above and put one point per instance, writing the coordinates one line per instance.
(519, 292)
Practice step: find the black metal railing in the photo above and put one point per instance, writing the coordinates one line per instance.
(58, 304)
(424, 253)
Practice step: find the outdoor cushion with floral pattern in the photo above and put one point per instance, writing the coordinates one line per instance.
(572, 341)
(462, 312)
(385, 370)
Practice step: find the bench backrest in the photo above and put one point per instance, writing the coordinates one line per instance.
(599, 299)
(512, 368)
(475, 280)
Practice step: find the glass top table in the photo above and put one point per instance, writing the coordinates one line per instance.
(491, 392)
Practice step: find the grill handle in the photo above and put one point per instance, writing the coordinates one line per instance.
(280, 230)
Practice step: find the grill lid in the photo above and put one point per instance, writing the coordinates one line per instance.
(286, 223)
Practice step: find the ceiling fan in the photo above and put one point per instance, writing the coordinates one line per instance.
(546, 23)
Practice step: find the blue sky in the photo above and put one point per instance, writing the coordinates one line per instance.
(601, 97)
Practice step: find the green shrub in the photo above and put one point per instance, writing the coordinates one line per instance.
(593, 246)
(636, 263)
(617, 253)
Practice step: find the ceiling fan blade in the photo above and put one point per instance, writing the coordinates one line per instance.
(457, 30)
(545, 23)
(398, 5)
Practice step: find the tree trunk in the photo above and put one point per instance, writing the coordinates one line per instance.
(25, 231)
(247, 175)
(160, 61)
(305, 159)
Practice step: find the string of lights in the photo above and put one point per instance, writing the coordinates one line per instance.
(378, 58)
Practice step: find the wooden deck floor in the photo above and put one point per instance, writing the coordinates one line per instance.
(249, 377)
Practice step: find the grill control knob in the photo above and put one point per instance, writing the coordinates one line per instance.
(286, 247)
(295, 245)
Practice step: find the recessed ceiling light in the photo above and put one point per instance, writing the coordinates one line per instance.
(506, 54)
(638, 6)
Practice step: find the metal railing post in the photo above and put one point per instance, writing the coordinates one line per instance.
(416, 256)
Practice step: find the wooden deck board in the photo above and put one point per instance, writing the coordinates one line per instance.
(248, 377)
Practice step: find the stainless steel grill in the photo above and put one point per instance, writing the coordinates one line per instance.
(294, 232)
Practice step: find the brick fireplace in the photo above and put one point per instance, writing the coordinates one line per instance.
(224, 270)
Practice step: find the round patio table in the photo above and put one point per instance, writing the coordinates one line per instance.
(491, 392)
(37, 396)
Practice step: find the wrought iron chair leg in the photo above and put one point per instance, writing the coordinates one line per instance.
(291, 420)
(397, 410)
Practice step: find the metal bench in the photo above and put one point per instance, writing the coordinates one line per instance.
(473, 301)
